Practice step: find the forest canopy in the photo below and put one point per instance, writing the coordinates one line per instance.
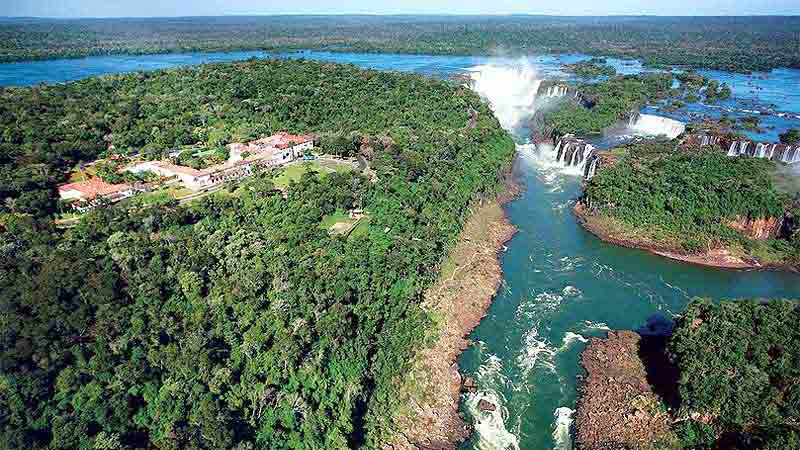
(236, 321)
(729, 43)
(687, 198)
(739, 374)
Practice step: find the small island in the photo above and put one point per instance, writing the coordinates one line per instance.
(592, 68)
(695, 204)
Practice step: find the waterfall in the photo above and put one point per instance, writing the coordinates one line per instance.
(574, 155)
(572, 159)
(732, 150)
(591, 169)
(793, 155)
(743, 147)
(772, 151)
(511, 90)
(650, 125)
(761, 151)
(556, 91)
(706, 140)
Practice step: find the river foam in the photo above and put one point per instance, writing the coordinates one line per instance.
(491, 432)
(562, 432)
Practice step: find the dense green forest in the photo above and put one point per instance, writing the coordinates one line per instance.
(686, 198)
(605, 103)
(730, 43)
(234, 322)
(591, 68)
(739, 375)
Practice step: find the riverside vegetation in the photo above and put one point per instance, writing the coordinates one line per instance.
(727, 377)
(686, 200)
(737, 44)
(605, 103)
(234, 321)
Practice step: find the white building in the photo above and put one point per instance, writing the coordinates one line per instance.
(276, 150)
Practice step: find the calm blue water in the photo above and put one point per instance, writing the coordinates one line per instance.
(561, 284)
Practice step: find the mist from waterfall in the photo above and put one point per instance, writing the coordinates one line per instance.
(651, 125)
(510, 88)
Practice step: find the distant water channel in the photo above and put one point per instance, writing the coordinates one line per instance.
(561, 284)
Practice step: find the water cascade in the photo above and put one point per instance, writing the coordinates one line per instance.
(706, 140)
(577, 156)
(510, 89)
(791, 155)
(776, 152)
(557, 91)
(761, 150)
(591, 167)
(650, 125)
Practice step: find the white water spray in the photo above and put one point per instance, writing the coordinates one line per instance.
(490, 426)
(510, 88)
(563, 424)
(650, 125)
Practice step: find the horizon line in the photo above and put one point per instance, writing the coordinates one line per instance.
(370, 14)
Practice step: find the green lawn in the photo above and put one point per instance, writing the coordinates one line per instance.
(362, 228)
(337, 217)
(294, 172)
(341, 223)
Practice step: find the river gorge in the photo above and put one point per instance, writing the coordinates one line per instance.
(561, 285)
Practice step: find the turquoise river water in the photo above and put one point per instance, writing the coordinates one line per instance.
(561, 284)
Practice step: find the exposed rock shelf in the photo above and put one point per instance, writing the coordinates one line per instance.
(618, 407)
(468, 282)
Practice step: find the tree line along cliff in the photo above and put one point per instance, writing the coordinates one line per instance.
(235, 321)
(694, 200)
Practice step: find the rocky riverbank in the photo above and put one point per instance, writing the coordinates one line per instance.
(459, 300)
(722, 258)
(617, 407)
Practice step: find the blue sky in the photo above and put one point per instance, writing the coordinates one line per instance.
(144, 8)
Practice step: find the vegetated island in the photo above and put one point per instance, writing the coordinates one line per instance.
(589, 108)
(591, 68)
(238, 320)
(695, 204)
(737, 44)
(727, 377)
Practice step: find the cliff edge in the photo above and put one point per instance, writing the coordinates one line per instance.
(618, 408)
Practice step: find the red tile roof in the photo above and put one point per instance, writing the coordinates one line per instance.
(93, 187)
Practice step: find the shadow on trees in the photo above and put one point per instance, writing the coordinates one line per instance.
(662, 375)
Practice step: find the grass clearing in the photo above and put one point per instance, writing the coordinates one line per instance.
(295, 171)
(362, 229)
(338, 217)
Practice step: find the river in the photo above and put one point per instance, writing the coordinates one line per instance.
(561, 284)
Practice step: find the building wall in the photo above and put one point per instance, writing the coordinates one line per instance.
(70, 194)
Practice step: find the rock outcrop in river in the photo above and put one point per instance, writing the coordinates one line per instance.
(618, 408)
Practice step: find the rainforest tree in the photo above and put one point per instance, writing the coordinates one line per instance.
(236, 321)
